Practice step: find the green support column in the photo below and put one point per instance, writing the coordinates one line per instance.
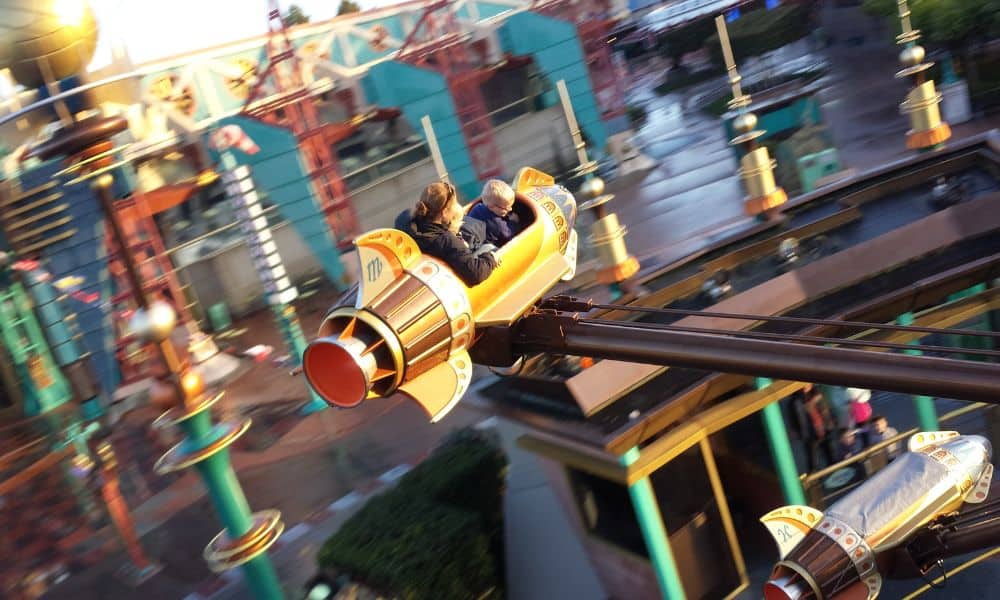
(295, 341)
(781, 449)
(654, 533)
(972, 341)
(926, 413)
(247, 536)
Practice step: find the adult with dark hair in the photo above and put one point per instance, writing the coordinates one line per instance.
(435, 225)
(815, 424)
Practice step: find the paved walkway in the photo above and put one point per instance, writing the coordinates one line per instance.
(318, 469)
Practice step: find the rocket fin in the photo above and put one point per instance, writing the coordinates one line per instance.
(789, 524)
(528, 177)
(383, 255)
(438, 390)
(926, 438)
(981, 490)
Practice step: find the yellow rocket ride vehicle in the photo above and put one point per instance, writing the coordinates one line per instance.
(409, 325)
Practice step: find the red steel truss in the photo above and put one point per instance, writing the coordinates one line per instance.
(436, 42)
(291, 106)
(159, 281)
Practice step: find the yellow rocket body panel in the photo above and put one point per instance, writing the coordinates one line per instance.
(532, 262)
(412, 320)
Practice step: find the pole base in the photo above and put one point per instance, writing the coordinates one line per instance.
(620, 272)
(134, 576)
(215, 367)
(313, 406)
(929, 139)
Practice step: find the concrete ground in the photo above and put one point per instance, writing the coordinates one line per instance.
(317, 469)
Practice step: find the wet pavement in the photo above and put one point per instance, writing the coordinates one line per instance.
(301, 464)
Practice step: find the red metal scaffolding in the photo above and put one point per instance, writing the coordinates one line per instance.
(291, 106)
(158, 276)
(436, 42)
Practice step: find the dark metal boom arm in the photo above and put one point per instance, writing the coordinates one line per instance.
(560, 333)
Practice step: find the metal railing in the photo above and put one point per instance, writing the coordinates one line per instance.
(871, 460)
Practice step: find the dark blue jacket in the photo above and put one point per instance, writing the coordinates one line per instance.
(499, 230)
(438, 241)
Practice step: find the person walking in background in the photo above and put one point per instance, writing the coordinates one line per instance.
(859, 407)
(848, 444)
(836, 399)
(879, 431)
(814, 422)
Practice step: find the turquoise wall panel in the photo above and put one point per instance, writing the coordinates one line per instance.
(419, 92)
(556, 49)
(489, 9)
(170, 79)
(225, 92)
(83, 257)
(330, 51)
(52, 318)
(280, 177)
(364, 52)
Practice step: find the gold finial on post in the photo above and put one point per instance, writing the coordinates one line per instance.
(927, 130)
(756, 164)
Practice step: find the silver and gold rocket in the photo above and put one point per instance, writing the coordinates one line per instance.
(834, 555)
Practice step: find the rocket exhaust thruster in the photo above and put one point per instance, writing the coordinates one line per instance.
(834, 555)
(411, 322)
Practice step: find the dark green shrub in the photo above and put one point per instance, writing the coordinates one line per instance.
(467, 471)
(761, 31)
(636, 115)
(414, 549)
(677, 79)
(438, 534)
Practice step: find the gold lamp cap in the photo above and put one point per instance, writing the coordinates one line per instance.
(593, 187)
(912, 55)
(745, 123)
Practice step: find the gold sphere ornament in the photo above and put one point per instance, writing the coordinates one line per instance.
(192, 383)
(154, 324)
(593, 187)
(46, 40)
(745, 123)
(162, 319)
(912, 56)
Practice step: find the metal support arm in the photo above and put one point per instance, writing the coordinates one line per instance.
(555, 333)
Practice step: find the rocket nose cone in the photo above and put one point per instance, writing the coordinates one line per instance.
(987, 445)
(339, 370)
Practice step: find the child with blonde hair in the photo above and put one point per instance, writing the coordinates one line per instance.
(496, 210)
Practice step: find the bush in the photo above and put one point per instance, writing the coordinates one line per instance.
(439, 533)
(761, 31)
(636, 115)
(681, 78)
(414, 549)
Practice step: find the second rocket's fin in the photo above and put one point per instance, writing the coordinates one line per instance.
(981, 490)
(789, 524)
(926, 438)
(438, 390)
